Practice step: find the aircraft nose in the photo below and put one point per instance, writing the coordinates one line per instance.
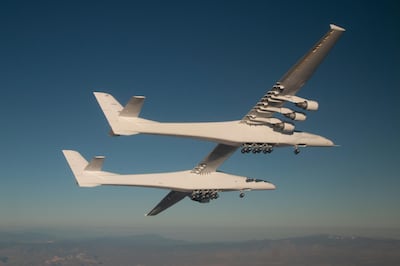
(329, 142)
(270, 186)
(322, 141)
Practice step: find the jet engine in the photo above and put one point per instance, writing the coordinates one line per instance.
(296, 116)
(285, 127)
(300, 102)
(308, 105)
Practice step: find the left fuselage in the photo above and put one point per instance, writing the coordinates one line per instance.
(230, 132)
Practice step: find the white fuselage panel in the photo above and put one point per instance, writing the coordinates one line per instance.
(231, 132)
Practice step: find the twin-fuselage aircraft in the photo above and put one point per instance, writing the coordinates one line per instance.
(263, 128)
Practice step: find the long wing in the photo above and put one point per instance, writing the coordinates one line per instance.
(169, 200)
(285, 89)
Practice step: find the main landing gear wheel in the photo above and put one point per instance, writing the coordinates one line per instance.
(267, 150)
(241, 195)
(257, 148)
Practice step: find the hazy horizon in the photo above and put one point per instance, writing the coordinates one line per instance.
(211, 234)
(155, 250)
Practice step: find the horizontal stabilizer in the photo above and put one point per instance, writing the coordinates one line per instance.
(96, 164)
(133, 107)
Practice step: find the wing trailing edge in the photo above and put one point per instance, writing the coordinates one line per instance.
(169, 200)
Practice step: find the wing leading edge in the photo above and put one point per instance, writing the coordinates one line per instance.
(285, 89)
(298, 75)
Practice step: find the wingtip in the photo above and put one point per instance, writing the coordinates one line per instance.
(99, 93)
(69, 152)
(335, 27)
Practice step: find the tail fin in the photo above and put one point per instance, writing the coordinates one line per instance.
(80, 167)
(113, 110)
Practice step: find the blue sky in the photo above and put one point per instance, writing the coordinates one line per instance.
(197, 61)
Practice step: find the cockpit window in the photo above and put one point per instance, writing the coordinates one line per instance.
(248, 180)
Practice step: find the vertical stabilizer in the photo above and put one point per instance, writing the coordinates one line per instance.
(79, 166)
(122, 120)
(76, 162)
(111, 109)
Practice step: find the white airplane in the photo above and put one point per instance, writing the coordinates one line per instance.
(257, 131)
(201, 184)
(260, 130)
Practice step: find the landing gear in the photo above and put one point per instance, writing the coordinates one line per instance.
(246, 148)
(204, 196)
(257, 148)
(269, 150)
(296, 150)
(241, 195)
(266, 148)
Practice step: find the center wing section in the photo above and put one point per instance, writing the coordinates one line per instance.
(217, 157)
(286, 88)
(208, 165)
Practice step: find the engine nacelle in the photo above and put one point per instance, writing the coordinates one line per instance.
(308, 105)
(285, 127)
(296, 116)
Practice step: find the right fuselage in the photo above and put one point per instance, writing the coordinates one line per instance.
(184, 181)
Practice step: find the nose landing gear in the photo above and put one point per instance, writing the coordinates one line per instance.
(297, 148)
